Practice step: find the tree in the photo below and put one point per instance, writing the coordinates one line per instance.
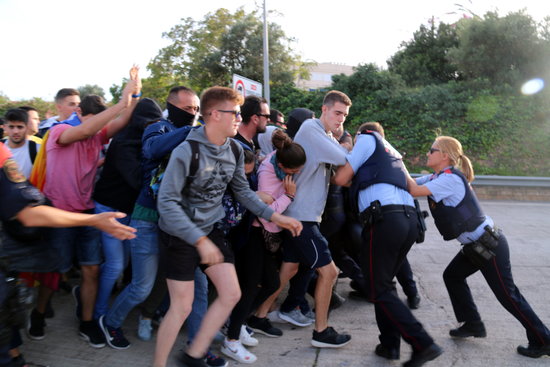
(90, 89)
(207, 52)
(505, 50)
(423, 60)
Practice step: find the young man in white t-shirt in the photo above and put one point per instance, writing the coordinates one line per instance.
(22, 149)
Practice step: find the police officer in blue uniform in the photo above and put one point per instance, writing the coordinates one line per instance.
(21, 202)
(457, 215)
(390, 227)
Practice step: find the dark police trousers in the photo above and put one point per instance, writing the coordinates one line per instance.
(498, 274)
(385, 246)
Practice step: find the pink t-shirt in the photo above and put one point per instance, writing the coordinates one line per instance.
(71, 169)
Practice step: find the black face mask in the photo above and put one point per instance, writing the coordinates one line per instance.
(178, 116)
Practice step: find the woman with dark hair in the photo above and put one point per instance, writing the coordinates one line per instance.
(458, 215)
(258, 276)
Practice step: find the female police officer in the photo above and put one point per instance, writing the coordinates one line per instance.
(19, 200)
(457, 214)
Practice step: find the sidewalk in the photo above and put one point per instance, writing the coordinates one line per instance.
(527, 227)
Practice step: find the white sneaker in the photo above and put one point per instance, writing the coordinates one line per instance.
(235, 350)
(273, 316)
(295, 317)
(246, 339)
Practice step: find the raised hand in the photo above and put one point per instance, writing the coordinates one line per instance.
(289, 185)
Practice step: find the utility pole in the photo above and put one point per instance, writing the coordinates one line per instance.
(266, 57)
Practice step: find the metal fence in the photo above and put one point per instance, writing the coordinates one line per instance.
(507, 181)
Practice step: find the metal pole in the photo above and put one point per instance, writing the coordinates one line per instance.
(266, 57)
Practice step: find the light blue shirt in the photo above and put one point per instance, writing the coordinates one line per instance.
(450, 188)
(385, 193)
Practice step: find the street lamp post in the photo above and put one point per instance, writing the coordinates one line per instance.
(266, 57)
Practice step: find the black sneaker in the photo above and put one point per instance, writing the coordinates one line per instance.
(426, 355)
(36, 326)
(534, 351)
(78, 304)
(413, 302)
(90, 331)
(263, 326)
(329, 338)
(188, 361)
(114, 336)
(388, 353)
(213, 360)
(469, 328)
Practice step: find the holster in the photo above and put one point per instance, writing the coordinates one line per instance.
(481, 251)
(371, 215)
(421, 215)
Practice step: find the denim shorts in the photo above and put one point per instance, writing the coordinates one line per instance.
(309, 248)
(81, 242)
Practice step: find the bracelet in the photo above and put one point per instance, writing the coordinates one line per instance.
(291, 197)
(136, 95)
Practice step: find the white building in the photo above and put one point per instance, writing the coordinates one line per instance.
(321, 75)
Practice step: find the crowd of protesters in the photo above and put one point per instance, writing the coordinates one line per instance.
(231, 204)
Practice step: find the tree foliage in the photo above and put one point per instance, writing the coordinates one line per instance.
(207, 52)
(45, 108)
(423, 60)
(90, 89)
(504, 50)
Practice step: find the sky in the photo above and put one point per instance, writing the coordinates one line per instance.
(52, 44)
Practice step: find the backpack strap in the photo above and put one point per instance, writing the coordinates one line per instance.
(194, 164)
(235, 150)
(32, 150)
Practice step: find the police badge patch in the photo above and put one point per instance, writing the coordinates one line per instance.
(12, 171)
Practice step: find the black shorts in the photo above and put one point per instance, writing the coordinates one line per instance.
(178, 259)
(309, 248)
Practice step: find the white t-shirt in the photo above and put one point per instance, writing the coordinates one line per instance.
(22, 157)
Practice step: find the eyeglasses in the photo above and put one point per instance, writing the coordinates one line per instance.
(237, 114)
(267, 116)
(432, 150)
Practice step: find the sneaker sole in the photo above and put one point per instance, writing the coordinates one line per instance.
(35, 337)
(319, 344)
(108, 337)
(233, 356)
(469, 336)
(249, 344)
(260, 331)
(292, 321)
(87, 338)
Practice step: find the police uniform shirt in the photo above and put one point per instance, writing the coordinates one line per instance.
(385, 193)
(450, 188)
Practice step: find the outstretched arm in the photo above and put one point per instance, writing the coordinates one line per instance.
(416, 189)
(47, 216)
(343, 175)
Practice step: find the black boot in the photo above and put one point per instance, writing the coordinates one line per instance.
(470, 328)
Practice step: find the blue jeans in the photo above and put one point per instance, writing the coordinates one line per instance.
(144, 254)
(83, 242)
(200, 305)
(116, 254)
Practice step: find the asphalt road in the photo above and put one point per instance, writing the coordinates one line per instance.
(527, 227)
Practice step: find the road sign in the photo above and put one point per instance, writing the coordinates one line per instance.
(246, 87)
